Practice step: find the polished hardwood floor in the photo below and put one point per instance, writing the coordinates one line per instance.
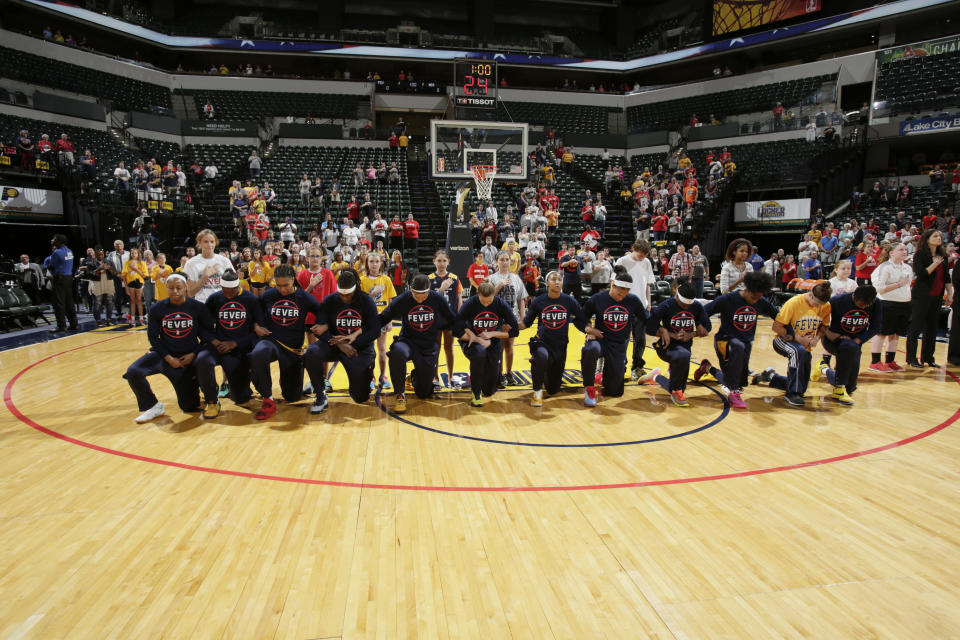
(636, 519)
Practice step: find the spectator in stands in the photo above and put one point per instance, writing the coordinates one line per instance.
(31, 277)
(305, 188)
(25, 148)
(829, 249)
(568, 159)
(288, 231)
(658, 225)
(45, 149)
(393, 142)
(88, 164)
(121, 178)
(937, 179)
(736, 265)
(955, 179)
(371, 173)
(253, 164)
(210, 171)
(778, 111)
(393, 174)
(316, 192)
(600, 216)
(489, 251)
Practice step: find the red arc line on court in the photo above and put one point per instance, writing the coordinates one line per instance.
(8, 401)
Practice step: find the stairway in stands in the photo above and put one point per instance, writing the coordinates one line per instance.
(619, 230)
(429, 211)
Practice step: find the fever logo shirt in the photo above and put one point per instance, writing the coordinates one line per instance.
(615, 317)
(554, 316)
(855, 321)
(420, 318)
(285, 312)
(738, 318)
(745, 318)
(232, 315)
(485, 321)
(347, 321)
(682, 321)
(177, 324)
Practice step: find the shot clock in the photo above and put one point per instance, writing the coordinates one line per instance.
(475, 82)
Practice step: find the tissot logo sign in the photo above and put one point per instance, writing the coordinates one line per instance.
(285, 312)
(177, 324)
(232, 315)
(470, 101)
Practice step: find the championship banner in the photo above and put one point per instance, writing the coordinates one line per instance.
(27, 203)
(930, 125)
(772, 213)
(920, 50)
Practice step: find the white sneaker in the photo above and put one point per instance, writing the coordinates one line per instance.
(650, 377)
(153, 412)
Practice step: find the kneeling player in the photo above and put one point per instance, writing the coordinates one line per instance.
(675, 322)
(613, 313)
(424, 313)
(285, 310)
(548, 351)
(235, 314)
(350, 327)
(484, 320)
(177, 329)
(734, 340)
(854, 319)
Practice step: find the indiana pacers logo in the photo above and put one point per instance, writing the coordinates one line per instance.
(420, 318)
(855, 321)
(745, 318)
(177, 324)
(683, 321)
(554, 316)
(486, 321)
(616, 317)
(232, 315)
(285, 312)
(9, 193)
(348, 321)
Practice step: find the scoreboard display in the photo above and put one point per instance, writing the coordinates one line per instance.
(475, 83)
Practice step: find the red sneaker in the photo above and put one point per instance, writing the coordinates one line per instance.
(598, 379)
(880, 367)
(893, 366)
(267, 409)
(702, 370)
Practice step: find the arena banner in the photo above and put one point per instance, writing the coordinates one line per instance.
(920, 49)
(930, 125)
(731, 16)
(28, 203)
(771, 213)
(217, 128)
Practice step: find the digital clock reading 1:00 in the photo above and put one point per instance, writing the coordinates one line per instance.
(476, 83)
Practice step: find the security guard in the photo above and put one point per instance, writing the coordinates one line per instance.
(60, 264)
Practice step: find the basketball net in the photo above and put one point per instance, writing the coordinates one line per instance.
(483, 175)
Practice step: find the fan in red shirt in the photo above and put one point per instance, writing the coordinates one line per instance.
(44, 145)
(586, 212)
(710, 156)
(725, 156)
(396, 233)
(477, 273)
(590, 233)
(929, 220)
(659, 226)
(553, 202)
(531, 275)
(353, 209)
(411, 232)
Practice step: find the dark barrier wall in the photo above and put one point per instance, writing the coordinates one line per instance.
(712, 132)
(69, 106)
(216, 128)
(323, 131)
(650, 139)
(151, 122)
(609, 140)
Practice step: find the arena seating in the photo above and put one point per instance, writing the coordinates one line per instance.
(912, 85)
(673, 114)
(125, 94)
(255, 105)
(565, 118)
(766, 164)
(922, 199)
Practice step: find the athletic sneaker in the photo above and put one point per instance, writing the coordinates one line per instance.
(476, 401)
(400, 404)
(916, 365)
(882, 367)
(504, 381)
(211, 410)
(679, 399)
(893, 366)
(702, 370)
(437, 386)
(327, 387)
(319, 404)
(153, 412)
(736, 400)
(224, 390)
(598, 379)
(650, 377)
(794, 399)
(764, 377)
(308, 390)
(537, 399)
(590, 397)
(267, 408)
(818, 372)
(384, 383)
(635, 374)
(840, 395)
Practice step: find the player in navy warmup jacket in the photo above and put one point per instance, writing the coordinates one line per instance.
(482, 322)
(177, 328)
(235, 314)
(424, 313)
(733, 341)
(548, 350)
(613, 312)
(675, 322)
(855, 319)
(285, 310)
(349, 328)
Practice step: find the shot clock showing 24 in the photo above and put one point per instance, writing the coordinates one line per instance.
(476, 83)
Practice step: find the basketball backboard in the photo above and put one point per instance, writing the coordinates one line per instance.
(457, 145)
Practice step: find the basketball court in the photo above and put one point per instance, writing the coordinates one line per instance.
(634, 519)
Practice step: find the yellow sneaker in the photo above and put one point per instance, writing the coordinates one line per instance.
(400, 404)
(537, 399)
(840, 395)
(211, 410)
(817, 374)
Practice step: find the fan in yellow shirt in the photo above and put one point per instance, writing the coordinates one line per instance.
(260, 272)
(378, 286)
(159, 275)
(134, 273)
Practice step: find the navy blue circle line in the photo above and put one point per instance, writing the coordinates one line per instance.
(712, 423)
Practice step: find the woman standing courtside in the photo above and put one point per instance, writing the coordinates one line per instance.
(931, 289)
(892, 279)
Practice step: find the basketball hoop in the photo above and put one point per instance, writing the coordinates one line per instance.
(483, 175)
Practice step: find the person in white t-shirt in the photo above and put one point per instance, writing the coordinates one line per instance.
(841, 282)
(640, 269)
(351, 234)
(509, 287)
(203, 270)
(892, 280)
(210, 172)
